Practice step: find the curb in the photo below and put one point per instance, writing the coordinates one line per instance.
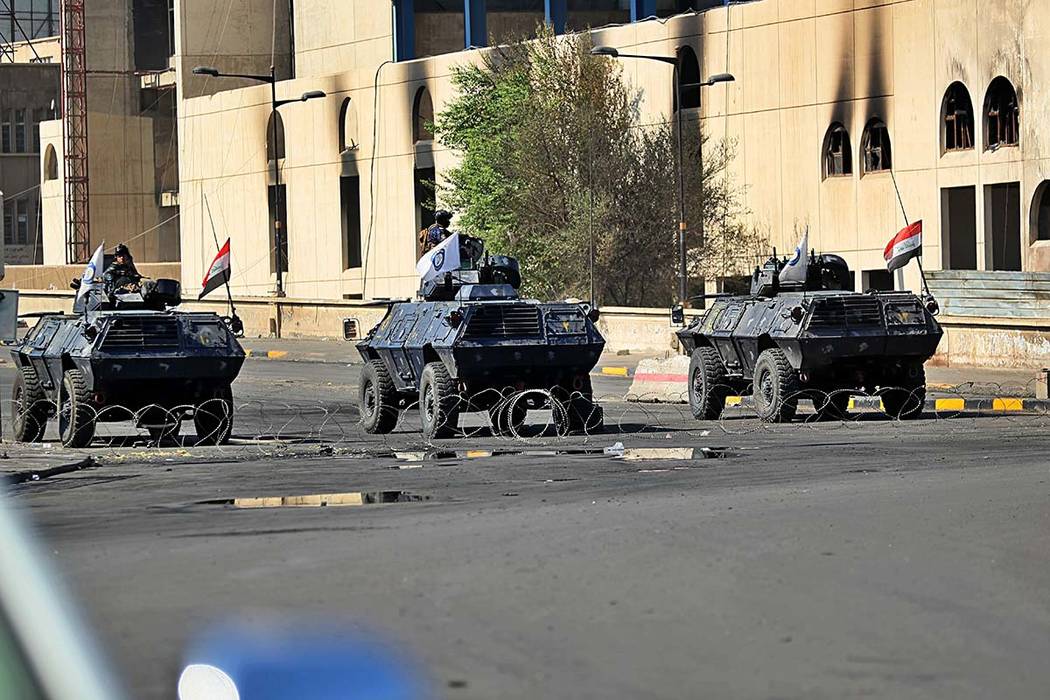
(994, 404)
(267, 354)
(613, 371)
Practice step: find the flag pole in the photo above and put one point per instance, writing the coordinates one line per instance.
(234, 321)
(918, 258)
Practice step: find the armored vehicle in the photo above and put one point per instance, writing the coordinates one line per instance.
(813, 339)
(469, 343)
(126, 357)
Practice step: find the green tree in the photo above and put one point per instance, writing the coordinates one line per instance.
(551, 153)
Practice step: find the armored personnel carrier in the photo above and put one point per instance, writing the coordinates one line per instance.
(813, 339)
(471, 344)
(126, 357)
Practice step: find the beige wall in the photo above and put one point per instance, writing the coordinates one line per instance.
(799, 64)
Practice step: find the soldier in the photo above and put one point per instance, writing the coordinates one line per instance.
(430, 237)
(121, 275)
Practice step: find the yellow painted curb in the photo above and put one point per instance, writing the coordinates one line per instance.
(1007, 404)
(733, 400)
(615, 371)
(950, 404)
(268, 354)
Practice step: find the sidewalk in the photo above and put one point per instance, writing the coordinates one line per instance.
(964, 380)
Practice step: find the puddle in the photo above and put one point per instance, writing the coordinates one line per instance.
(644, 454)
(319, 500)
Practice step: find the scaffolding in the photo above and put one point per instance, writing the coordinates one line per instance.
(75, 130)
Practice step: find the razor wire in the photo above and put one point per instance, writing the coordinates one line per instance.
(510, 417)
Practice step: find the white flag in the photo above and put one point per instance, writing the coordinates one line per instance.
(797, 267)
(93, 270)
(441, 259)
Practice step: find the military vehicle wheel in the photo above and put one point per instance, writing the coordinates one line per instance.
(31, 408)
(160, 433)
(707, 384)
(439, 402)
(584, 415)
(907, 399)
(831, 406)
(377, 399)
(776, 387)
(76, 414)
(508, 417)
(213, 419)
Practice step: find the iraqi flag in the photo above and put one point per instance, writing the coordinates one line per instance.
(904, 246)
(219, 272)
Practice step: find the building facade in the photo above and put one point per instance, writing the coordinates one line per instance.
(29, 94)
(848, 117)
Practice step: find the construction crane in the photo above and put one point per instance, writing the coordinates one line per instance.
(75, 130)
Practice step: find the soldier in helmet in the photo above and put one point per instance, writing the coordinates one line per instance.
(430, 237)
(121, 275)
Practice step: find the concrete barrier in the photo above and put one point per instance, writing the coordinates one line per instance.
(661, 381)
(968, 342)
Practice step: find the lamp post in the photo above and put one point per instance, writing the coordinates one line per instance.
(612, 52)
(280, 242)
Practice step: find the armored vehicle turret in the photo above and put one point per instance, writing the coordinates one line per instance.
(814, 339)
(129, 356)
(469, 343)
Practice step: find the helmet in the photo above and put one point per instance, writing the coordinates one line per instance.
(122, 249)
(443, 217)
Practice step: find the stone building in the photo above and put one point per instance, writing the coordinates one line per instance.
(29, 94)
(831, 98)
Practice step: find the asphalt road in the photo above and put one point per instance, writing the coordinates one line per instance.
(875, 558)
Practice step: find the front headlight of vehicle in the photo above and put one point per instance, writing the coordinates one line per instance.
(566, 323)
(209, 335)
(904, 315)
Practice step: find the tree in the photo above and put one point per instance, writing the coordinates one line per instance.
(551, 154)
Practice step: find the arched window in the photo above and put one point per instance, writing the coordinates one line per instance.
(688, 79)
(1041, 213)
(957, 118)
(838, 153)
(1001, 115)
(876, 144)
(422, 116)
(50, 163)
(347, 126)
(275, 142)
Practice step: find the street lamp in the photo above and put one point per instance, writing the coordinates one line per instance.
(613, 52)
(278, 233)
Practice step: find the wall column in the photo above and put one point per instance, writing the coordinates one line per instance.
(474, 31)
(404, 30)
(555, 11)
(640, 9)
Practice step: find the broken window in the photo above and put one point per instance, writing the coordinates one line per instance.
(877, 154)
(838, 154)
(275, 137)
(1041, 212)
(347, 127)
(50, 164)
(957, 114)
(422, 117)
(688, 79)
(1001, 115)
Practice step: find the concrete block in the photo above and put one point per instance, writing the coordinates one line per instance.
(1042, 384)
(661, 381)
